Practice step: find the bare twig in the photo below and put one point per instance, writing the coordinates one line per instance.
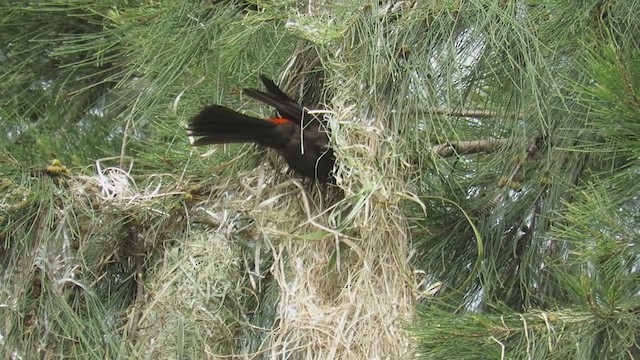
(475, 113)
(468, 147)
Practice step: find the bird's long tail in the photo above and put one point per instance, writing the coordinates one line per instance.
(219, 125)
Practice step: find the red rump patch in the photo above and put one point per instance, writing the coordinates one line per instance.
(278, 121)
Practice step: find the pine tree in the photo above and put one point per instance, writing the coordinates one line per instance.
(485, 207)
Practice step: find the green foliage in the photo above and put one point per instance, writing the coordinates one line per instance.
(83, 82)
(556, 207)
(529, 248)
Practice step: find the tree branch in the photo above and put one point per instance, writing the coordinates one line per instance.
(475, 113)
(468, 147)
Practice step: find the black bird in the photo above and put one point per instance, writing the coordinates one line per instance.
(300, 137)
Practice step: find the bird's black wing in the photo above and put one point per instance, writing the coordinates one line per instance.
(283, 103)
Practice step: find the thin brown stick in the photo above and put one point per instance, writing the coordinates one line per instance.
(468, 147)
(474, 113)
